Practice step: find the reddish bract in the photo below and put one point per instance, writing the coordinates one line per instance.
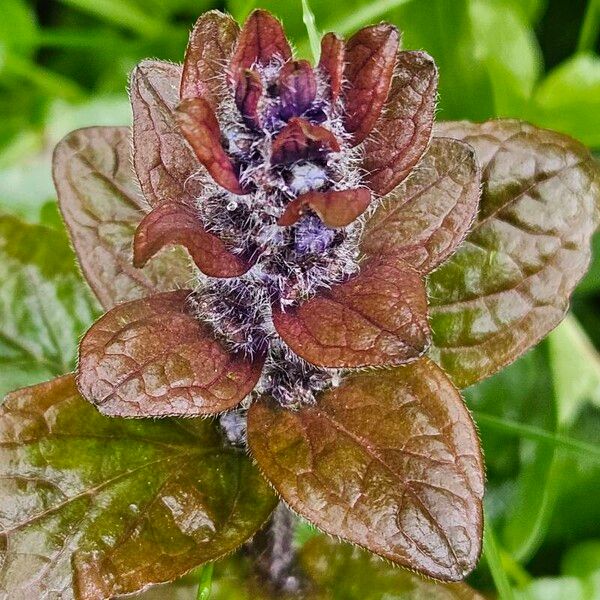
(201, 129)
(370, 60)
(173, 223)
(211, 43)
(262, 39)
(403, 131)
(334, 208)
(300, 139)
(248, 94)
(332, 62)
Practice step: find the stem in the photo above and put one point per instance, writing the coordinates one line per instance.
(274, 553)
(205, 583)
(494, 561)
(589, 29)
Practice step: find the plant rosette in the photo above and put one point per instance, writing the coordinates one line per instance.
(316, 268)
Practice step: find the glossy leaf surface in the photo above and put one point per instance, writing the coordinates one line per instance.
(112, 505)
(45, 306)
(370, 59)
(101, 205)
(164, 163)
(200, 127)
(427, 216)
(175, 223)
(334, 208)
(388, 460)
(403, 131)
(211, 43)
(510, 281)
(153, 358)
(376, 318)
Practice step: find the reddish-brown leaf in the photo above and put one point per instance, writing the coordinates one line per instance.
(174, 223)
(388, 460)
(211, 44)
(403, 131)
(164, 163)
(262, 39)
(200, 127)
(370, 60)
(300, 139)
(100, 202)
(248, 94)
(509, 283)
(153, 358)
(332, 62)
(334, 208)
(427, 216)
(297, 88)
(376, 318)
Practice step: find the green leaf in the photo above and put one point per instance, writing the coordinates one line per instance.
(510, 282)
(313, 33)
(494, 561)
(111, 505)
(44, 305)
(343, 572)
(568, 99)
(388, 460)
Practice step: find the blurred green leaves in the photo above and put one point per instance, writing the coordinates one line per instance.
(44, 305)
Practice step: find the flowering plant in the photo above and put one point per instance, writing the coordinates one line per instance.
(313, 203)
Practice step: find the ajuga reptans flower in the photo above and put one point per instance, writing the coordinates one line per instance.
(314, 204)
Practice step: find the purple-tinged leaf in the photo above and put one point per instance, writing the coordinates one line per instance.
(388, 460)
(297, 88)
(210, 47)
(403, 131)
(102, 207)
(376, 318)
(164, 163)
(370, 59)
(427, 216)
(248, 95)
(509, 283)
(201, 129)
(173, 223)
(153, 358)
(93, 507)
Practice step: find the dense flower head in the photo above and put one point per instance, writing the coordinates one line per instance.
(292, 159)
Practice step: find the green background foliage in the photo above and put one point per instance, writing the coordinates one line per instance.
(64, 64)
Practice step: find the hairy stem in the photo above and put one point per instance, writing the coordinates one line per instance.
(274, 553)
